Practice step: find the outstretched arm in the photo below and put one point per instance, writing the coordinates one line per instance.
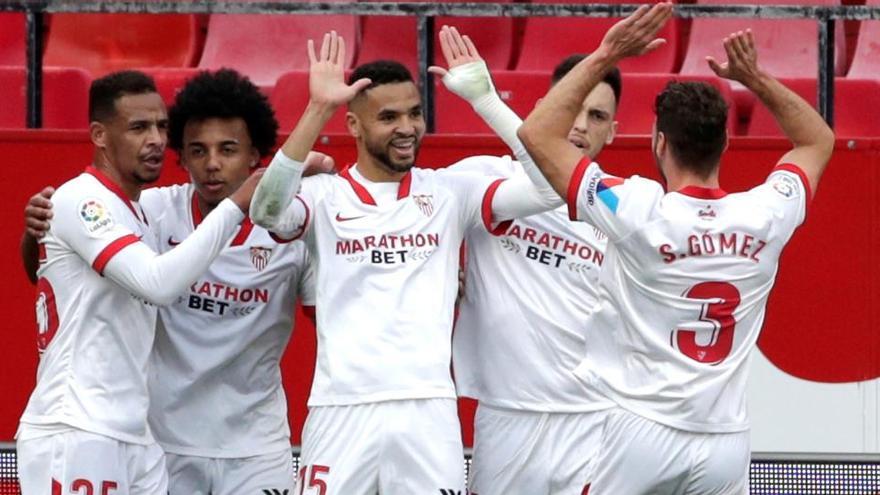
(272, 207)
(545, 131)
(813, 140)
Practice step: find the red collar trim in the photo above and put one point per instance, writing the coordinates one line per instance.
(364, 195)
(246, 226)
(702, 192)
(115, 189)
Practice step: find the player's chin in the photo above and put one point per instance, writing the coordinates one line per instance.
(148, 175)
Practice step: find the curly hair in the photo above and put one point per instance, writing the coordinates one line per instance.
(693, 117)
(224, 94)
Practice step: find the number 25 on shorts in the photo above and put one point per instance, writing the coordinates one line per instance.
(725, 299)
(315, 482)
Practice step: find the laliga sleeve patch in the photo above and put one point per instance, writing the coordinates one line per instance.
(785, 185)
(95, 216)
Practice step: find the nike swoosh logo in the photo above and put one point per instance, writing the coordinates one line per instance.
(172, 242)
(340, 218)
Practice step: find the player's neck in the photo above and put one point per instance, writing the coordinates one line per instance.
(132, 190)
(204, 206)
(371, 170)
(678, 178)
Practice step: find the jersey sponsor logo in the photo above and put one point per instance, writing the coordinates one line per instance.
(172, 242)
(340, 218)
(260, 257)
(276, 491)
(223, 300)
(785, 185)
(47, 314)
(450, 491)
(95, 216)
(425, 202)
(551, 249)
(388, 249)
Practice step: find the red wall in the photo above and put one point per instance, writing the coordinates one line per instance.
(819, 324)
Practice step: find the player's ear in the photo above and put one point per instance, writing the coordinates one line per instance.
(98, 134)
(538, 102)
(255, 158)
(351, 122)
(611, 133)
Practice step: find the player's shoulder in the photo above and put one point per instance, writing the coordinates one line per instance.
(500, 166)
(82, 187)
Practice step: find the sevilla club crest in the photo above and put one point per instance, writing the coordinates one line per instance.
(260, 257)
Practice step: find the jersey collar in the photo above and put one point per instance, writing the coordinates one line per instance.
(364, 195)
(246, 226)
(702, 192)
(115, 189)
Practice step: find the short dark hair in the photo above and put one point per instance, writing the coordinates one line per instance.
(381, 72)
(612, 77)
(693, 117)
(104, 92)
(224, 94)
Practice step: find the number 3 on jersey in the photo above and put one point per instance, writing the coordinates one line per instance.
(723, 299)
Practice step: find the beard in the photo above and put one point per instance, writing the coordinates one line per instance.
(383, 158)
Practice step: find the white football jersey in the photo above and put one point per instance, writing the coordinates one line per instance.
(386, 259)
(94, 336)
(215, 381)
(528, 290)
(683, 291)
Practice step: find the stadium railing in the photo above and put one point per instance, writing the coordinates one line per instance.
(35, 10)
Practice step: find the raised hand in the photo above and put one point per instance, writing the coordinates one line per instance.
(38, 212)
(468, 76)
(318, 163)
(636, 34)
(327, 73)
(742, 58)
(245, 192)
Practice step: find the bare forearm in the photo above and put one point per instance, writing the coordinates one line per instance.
(799, 121)
(545, 132)
(30, 256)
(307, 130)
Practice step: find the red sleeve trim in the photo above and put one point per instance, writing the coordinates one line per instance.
(790, 167)
(486, 210)
(302, 228)
(110, 251)
(574, 185)
(310, 312)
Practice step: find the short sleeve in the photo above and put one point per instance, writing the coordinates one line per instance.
(787, 192)
(614, 205)
(90, 226)
(474, 193)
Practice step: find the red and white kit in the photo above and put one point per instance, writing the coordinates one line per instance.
(519, 335)
(215, 386)
(386, 259)
(682, 296)
(100, 280)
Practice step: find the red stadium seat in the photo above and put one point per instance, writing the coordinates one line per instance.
(289, 99)
(395, 38)
(65, 97)
(786, 47)
(635, 114)
(103, 43)
(856, 106)
(12, 39)
(519, 89)
(169, 82)
(263, 47)
(547, 40)
(866, 60)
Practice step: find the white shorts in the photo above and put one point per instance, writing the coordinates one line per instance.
(80, 462)
(192, 475)
(640, 456)
(399, 447)
(533, 453)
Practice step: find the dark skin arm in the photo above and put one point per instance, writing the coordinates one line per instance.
(36, 219)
